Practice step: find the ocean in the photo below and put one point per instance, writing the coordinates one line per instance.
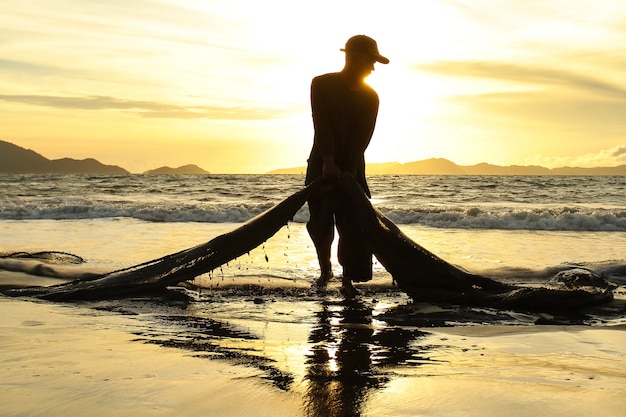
(253, 340)
(497, 223)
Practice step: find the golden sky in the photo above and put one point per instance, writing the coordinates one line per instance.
(225, 84)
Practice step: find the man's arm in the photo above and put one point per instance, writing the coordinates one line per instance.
(330, 170)
(324, 136)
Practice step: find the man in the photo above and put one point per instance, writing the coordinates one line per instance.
(344, 111)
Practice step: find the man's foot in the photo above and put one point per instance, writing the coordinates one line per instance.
(348, 290)
(319, 286)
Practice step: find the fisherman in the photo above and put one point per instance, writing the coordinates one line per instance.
(344, 109)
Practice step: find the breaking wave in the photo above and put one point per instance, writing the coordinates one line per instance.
(502, 218)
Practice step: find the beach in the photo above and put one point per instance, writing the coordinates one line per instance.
(77, 360)
(250, 338)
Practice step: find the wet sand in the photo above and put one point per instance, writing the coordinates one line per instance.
(275, 350)
(61, 360)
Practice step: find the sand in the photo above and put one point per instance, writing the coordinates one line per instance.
(294, 355)
(61, 360)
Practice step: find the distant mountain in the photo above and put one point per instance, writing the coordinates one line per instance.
(382, 168)
(440, 166)
(429, 166)
(17, 160)
(288, 171)
(185, 169)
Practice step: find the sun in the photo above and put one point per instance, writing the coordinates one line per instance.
(409, 101)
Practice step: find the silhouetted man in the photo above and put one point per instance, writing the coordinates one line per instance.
(344, 111)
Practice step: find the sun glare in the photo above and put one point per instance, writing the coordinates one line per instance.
(408, 102)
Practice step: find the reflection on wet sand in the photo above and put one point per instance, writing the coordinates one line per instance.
(348, 354)
(348, 357)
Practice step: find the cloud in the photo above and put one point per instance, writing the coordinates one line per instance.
(20, 66)
(14, 70)
(619, 26)
(618, 152)
(550, 108)
(150, 109)
(606, 157)
(554, 102)
(525, 74)
(610, 157)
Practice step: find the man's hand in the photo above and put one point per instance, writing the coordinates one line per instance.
(330, 170)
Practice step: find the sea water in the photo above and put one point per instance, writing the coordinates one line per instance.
(514, 227)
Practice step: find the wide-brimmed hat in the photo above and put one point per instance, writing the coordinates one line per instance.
(365, 45)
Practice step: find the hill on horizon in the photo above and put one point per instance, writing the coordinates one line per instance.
(185, 169)
(17, 160)
(441, 166)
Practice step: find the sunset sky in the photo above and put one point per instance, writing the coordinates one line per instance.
(225, 84)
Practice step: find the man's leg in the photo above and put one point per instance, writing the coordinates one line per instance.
(354, 252)
(321, 229)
